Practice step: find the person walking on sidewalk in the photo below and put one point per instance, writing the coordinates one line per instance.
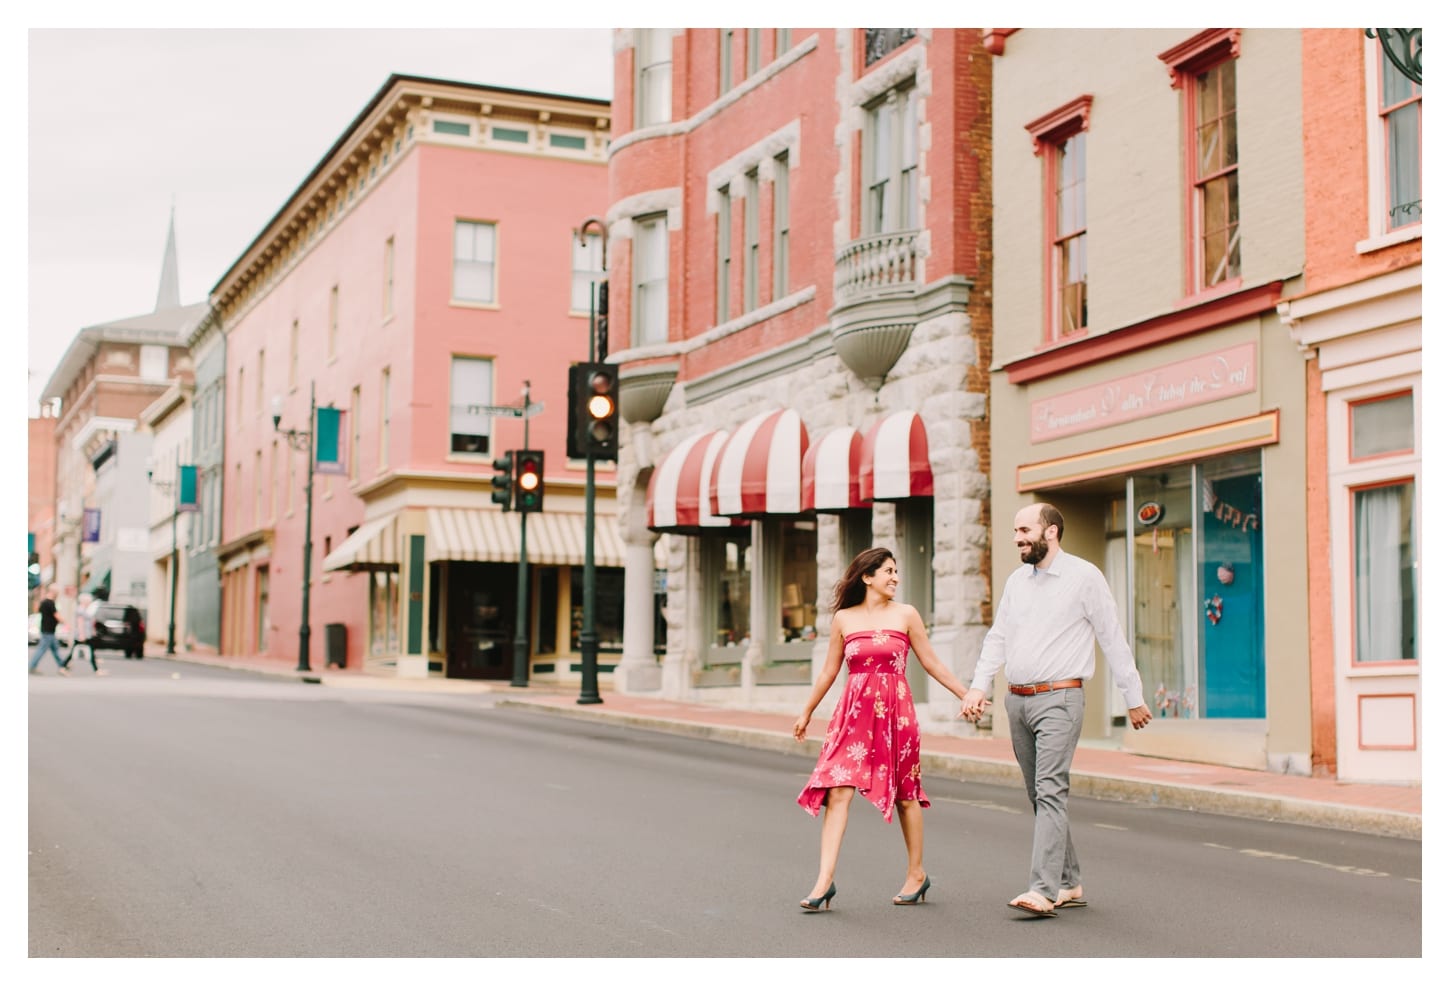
(1051, 610)
(873, 741)
(48, 624)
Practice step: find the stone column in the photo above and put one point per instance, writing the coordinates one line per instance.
(638, 671)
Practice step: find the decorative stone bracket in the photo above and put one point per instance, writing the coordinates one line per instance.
(644, 390)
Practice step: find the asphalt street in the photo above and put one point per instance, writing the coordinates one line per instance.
(179, 810)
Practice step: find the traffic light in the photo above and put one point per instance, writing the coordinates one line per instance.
(503, 481)
(593, 410)
(529, 481)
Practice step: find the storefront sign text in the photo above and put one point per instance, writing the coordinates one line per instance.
(1187, 383)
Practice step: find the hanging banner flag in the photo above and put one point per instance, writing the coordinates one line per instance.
(186, 491)
(327, 434)
(91, 525)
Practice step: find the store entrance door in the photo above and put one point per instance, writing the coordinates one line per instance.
(482, 601)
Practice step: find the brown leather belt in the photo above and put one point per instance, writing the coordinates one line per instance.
(1044, 686)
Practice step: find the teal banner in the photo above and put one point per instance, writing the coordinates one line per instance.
(327, 433)
(186, 490)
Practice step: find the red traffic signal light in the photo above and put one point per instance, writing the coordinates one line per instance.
(529, 481)
(503, 480)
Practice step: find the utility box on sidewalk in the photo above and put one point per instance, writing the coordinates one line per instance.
(335, 637)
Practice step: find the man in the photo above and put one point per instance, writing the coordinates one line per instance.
(48, 623)
(1051, 610)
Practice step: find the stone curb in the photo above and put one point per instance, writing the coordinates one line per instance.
(1241, 804)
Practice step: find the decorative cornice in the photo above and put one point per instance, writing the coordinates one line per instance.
(1053, 127)
(1151, 332)
(994, 39)
(1200, 51)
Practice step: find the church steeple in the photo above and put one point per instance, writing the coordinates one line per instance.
(168, 295)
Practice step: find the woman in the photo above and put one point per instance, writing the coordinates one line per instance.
(873, 742)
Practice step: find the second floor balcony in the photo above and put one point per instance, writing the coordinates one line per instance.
(877, 282)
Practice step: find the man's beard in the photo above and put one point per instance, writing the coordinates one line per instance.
(1034, 552)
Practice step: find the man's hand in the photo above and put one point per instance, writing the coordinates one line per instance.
(1140, 716)
(974, 703)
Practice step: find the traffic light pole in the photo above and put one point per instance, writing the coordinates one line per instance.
(588, 636)
(521, 608)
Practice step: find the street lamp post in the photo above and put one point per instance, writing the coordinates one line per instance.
(301, 440)
(167, 488)
(588, 635)
(521, 595)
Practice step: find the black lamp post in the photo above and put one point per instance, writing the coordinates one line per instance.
(588, 635)
(302, 441)
(168, 488)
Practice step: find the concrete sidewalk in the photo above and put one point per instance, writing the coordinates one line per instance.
(1378, 809)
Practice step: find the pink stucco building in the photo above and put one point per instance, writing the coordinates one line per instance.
(429, 268)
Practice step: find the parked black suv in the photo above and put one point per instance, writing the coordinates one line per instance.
(119, 627)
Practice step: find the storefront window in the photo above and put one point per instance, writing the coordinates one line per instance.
(383, 610)
(546, 632)
(726, 564)
(1196, 568)
(797, 590)
(608, 608)
(1384, 573)
(1163, 558)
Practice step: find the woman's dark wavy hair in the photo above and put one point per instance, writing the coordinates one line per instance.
(851, 591)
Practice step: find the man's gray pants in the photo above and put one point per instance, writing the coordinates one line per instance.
(1045, 729)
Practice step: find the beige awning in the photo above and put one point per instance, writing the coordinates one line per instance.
(468, 534)
(374, 545)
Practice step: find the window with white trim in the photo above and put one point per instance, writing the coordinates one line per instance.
(780, 250)
(651, 308)
(388, 278)
(385, 416)
(355, 435)
(722, 254)
(470, 393)
(588, 267)
(727, 59)
(752, 240)
(474, 244)
(1396, 133)
(333, 303)
(889, 163)
(1384, 573)
(652, 61)
(153, 362)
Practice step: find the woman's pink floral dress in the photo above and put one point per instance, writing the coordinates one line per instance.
(873, 742)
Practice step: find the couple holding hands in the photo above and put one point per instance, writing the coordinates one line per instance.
(1051, 611)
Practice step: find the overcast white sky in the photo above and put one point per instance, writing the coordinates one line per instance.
(225, 124)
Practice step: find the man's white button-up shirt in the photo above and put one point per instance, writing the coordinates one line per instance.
(1045, 627)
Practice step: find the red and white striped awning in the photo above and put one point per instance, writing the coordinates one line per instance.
(894, 462)
(831, 472)
(758, 472)
(679, 490)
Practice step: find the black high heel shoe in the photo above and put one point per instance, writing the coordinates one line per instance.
(918, 897)
(821, 903)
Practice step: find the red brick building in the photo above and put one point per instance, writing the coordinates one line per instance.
(40, 512)
(799, 256)
(1357, 321)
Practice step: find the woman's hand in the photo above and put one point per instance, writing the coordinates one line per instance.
(799, 729)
